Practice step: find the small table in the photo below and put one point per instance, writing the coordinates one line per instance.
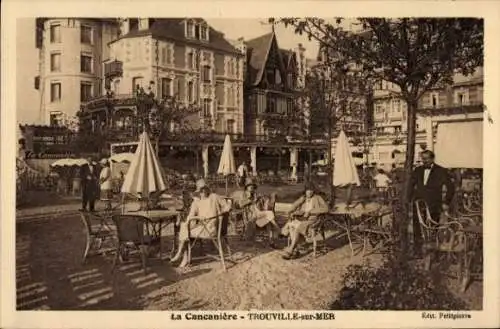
(158, 219)
(342, 219)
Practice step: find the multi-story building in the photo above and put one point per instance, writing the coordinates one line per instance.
(460, 101)
(273, 80)
(340, 100)
(71, 51)
(181, 57)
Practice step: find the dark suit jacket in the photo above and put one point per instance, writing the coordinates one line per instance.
(94, 182)
(432, 193)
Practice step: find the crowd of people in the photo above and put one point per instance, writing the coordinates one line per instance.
(206, 207)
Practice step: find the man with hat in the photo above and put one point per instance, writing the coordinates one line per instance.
(89, 175)
(256, 216)
(304, 213)
(207, 207)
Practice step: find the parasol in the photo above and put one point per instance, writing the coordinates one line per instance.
(144, 178)
(345, 173)
(67, 162)
(226, 164)
(122, 157)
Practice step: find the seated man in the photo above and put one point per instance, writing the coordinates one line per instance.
(304, 215)
(256, 216)
(206, 206)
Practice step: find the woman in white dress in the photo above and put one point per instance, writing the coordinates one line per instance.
(206, 207)
(105, 183)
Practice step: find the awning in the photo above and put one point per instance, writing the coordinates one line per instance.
(460, 144)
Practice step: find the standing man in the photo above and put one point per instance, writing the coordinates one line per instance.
(428, 181)
(242, 173)
(90, 184)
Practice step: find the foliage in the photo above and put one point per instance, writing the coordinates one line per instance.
(416, 54)
(396, 285)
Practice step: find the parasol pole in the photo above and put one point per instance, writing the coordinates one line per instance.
(227, 182)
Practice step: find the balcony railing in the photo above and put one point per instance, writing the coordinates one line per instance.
(113, 69)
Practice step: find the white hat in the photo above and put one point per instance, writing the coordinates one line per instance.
(103, 161)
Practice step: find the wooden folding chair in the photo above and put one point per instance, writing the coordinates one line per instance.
(221, 222)
(96, 232)
(130, 234)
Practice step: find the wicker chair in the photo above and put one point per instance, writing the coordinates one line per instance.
(130, 234)
(96, 232)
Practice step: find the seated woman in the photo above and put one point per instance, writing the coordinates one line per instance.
(256, 216)
(304, 215)
(206, 206)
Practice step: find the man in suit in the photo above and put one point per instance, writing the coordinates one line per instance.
(89, 174)
(428, 181)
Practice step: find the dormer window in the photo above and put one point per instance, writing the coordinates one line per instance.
(189, 29)
(133, 24)
(203, 32)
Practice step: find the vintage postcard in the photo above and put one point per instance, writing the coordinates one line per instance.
(254, 164)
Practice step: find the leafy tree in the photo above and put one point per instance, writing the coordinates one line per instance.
(415, 54)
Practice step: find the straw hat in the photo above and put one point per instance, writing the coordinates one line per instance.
(249, 181)
(200, 184)
(104, 161)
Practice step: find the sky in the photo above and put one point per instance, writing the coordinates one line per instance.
(28, 101)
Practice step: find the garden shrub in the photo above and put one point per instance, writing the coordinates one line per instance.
(396, 285)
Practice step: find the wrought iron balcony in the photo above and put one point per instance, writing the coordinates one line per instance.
(113, 69)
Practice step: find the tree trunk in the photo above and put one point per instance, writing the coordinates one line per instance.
(407, 188)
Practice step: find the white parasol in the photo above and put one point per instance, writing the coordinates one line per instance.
(69, 162)
(145, 176)
(122, 157)
(226, 164)
(344, 172)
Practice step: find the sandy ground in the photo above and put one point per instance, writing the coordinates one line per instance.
(50, 275)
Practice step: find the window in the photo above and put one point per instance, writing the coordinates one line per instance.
(190, 91)
(379, 109)
(85, 64)
(434, 100)
(55, 118)
(205, 73)
(189, 29)
(55, 62)
(116, 86)
(203, 32)
(197, 33)
(55, 91)
(271, 105)
(397, 105)
(190, 60)
(270, 76)
(165, 55)
(85, 34)
(397, 129)
(85, 91)
(55, 33)
(206, 107)
(133, 24)
(166, 85)
(461, 97)
(230, 126)
(136, 84)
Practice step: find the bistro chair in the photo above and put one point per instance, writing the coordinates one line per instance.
(221, 222)
(440, 238)
(131, 235)
(96, 232)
